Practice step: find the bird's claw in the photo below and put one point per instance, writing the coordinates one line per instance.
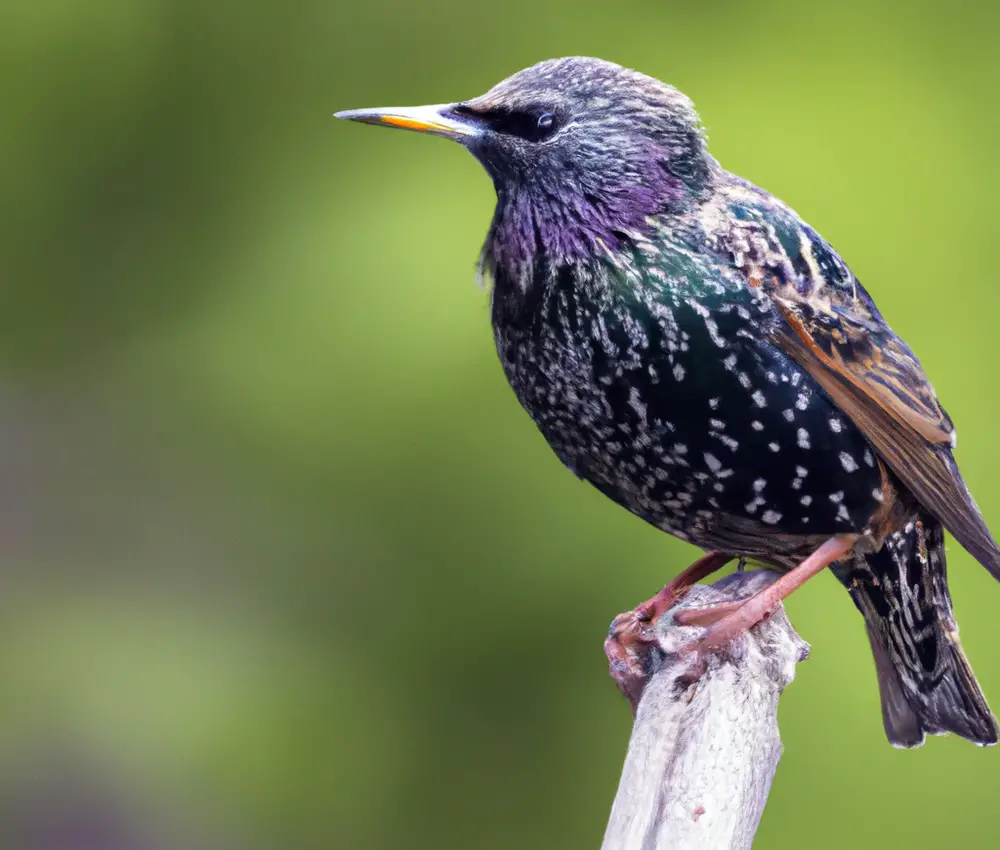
(629, 647)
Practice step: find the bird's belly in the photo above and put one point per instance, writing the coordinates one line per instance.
(690, 454)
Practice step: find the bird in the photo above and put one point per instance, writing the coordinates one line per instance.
(693, 349)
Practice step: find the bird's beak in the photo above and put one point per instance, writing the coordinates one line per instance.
(439, 120)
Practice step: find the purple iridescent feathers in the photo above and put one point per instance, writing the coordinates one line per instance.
(599, 181)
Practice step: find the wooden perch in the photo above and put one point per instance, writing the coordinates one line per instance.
(705, 743)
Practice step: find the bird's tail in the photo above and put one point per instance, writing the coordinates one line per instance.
(925, 681)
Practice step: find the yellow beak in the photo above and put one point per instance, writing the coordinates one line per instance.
(439, 120)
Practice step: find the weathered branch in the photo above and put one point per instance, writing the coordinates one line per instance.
(705, 743)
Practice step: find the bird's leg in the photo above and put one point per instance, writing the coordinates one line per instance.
(730, 619)
(629, 634)
(652, 609)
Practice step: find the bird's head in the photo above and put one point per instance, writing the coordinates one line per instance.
(582, 152)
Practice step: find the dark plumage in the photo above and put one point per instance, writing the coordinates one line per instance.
(688, 345)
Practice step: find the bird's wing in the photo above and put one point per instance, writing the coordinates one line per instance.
(831, 327)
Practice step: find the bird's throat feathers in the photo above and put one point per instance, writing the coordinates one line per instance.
(539, 226)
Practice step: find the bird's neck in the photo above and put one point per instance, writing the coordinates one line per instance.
(538, 228)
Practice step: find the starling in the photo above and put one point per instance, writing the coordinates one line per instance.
(699, 354)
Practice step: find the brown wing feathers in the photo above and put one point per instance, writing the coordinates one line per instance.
(883, 390)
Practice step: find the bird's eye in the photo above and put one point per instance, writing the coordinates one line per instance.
(545, 126)
(527, 124)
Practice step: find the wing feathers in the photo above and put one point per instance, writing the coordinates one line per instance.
(915, 448)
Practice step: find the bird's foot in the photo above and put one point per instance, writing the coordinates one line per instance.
(629, 649)
(630, 642)
(727, 620)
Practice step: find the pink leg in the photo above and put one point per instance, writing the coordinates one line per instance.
(732, 619)
(653, 609)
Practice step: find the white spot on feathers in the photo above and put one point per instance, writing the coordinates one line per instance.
(636, 403)
(713, 332)
(728, 442)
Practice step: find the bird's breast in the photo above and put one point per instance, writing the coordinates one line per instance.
(681, 413)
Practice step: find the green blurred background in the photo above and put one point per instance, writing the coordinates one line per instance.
(283, 562)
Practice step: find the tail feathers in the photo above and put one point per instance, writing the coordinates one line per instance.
(912, 709)
(925, 681)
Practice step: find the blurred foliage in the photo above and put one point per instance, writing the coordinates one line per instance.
(285, 565)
